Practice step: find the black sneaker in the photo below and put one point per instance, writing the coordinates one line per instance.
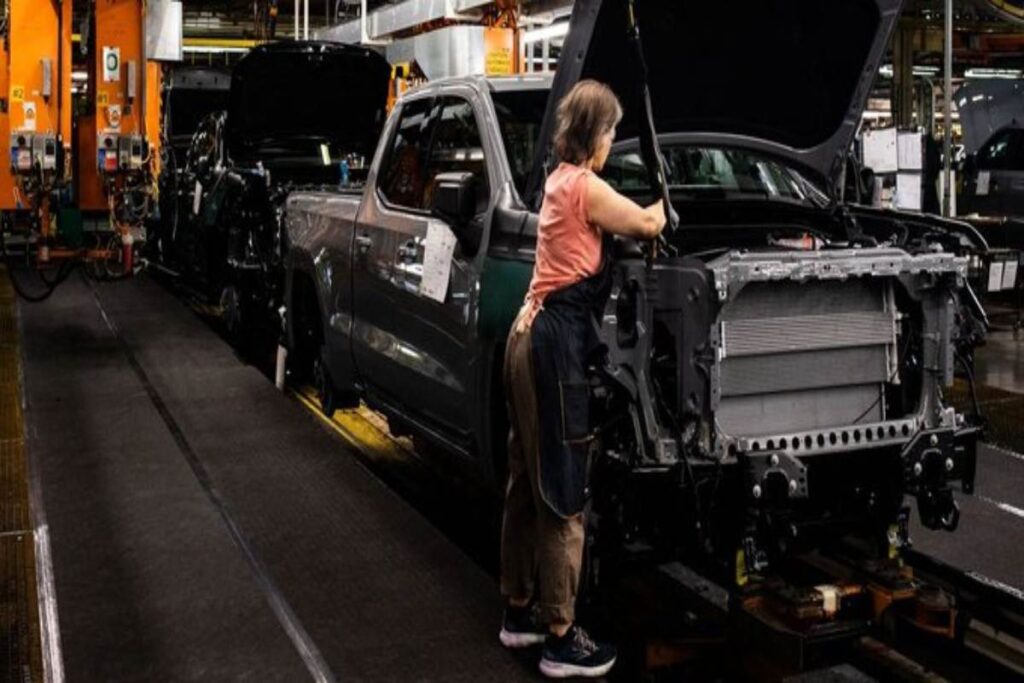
(575, 654)
(519, 628)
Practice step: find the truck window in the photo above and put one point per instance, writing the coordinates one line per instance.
(520, 113)
(402, 177)
(457, 146)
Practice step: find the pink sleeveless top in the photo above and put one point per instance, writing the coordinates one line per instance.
(568, 244)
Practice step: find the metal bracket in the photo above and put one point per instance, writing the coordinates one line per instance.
(776, 476)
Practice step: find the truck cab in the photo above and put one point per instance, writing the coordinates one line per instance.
(399, 334)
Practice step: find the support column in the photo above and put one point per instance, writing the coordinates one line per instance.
(903, 76)
(947, 111)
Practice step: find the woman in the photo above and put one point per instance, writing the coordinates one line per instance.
(547, 389)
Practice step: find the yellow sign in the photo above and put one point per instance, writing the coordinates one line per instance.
(498, 45)
(102, 99)
(17, 93)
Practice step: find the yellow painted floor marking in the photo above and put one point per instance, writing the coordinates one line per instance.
(19, 607)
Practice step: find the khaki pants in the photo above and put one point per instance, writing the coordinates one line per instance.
(541, 552)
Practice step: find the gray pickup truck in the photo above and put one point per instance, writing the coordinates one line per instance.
(776, 367)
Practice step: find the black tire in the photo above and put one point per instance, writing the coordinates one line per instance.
(326, 392)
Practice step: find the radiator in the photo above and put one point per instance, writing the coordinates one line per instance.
(796, 358)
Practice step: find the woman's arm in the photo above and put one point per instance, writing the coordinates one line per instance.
(620, 215)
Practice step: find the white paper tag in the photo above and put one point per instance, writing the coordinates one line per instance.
(438, 249)
(995, 276)
(197, 198)
(1009, 274)
(29, 109)
(984, 179)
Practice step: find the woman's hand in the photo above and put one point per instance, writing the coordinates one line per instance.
(620, 215)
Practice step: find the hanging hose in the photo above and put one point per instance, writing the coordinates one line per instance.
(650, 151)
(974, 389)
(50, 286)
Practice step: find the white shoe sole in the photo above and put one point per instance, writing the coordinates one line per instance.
(520, 640)
(560, 670)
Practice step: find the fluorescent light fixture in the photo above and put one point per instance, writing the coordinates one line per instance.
(887, 70)
(551, 32)
(993, 73)
(214, 50)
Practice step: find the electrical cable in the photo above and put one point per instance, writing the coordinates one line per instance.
(63, 272)
(881, 394)
(971, 383)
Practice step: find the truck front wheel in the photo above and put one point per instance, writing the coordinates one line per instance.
(324, 385)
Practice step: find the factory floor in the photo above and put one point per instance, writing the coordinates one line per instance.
(193, 523)
(203, 526)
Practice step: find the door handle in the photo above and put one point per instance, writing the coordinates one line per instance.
(363, 243)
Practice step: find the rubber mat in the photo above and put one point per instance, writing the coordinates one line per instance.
(156, 582)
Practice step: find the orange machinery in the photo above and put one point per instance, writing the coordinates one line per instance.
(119, 138)
(36, 75)
(116, 156)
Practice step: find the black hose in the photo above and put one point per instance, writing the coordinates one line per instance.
(63, 272)
(971, 383)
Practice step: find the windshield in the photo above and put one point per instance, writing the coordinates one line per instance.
(713, 172)
(520, 113)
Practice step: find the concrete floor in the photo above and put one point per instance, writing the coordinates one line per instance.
(1000, 363)
(991, 534)
(144, 563)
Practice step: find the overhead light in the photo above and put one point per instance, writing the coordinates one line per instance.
(551, 32)
(993, 73)
(887, 70)
(212, 49)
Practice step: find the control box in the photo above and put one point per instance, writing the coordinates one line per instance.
(120, 153)
(31, 152)
(131, 153)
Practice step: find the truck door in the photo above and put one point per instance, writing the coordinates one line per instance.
(387, 217)
(431, 347)
(1000, 182)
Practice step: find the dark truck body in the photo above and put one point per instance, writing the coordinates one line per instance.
(190, 95)
(775, 372)
(294, 112)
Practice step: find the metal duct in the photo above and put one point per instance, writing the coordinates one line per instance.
(450, 51)
(403, 16)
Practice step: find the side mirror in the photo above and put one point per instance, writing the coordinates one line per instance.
(454, 202)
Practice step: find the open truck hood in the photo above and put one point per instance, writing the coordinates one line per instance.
(789, 78)
(305, 93)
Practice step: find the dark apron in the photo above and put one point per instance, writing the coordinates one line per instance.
(564, 337)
